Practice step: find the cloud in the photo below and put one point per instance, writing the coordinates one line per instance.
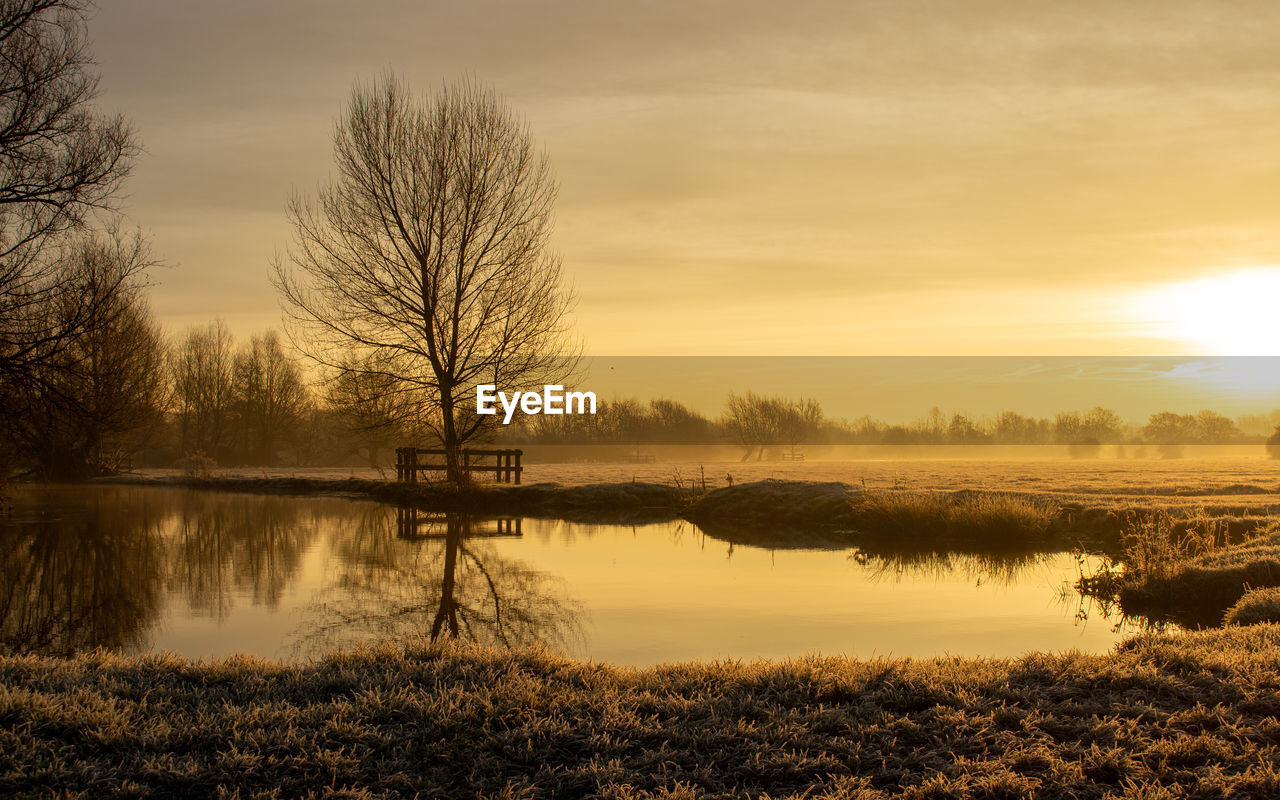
(752, 150)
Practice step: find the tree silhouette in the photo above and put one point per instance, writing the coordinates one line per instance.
(425, 263)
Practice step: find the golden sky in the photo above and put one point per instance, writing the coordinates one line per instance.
(882, 178)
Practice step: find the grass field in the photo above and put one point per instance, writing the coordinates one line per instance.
(1193, 715)
(1118, 477)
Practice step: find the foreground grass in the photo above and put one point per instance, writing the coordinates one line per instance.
(1193, 715)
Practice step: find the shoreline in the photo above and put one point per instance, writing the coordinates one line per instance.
(784, 508)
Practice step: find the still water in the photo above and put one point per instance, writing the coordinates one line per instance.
(205, 573)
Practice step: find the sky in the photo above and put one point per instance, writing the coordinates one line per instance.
(763, 178)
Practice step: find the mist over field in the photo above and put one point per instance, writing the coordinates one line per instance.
(901, 389)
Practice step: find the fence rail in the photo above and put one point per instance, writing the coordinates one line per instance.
(505, 469)
(414, 524)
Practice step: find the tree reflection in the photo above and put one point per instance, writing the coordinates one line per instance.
(75, 577)
(407, 574)
(84, 568)
(229, 545)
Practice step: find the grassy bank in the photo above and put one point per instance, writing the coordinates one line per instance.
(1191, 715)
(629, 502)
(780, 510)
(1190, 570)
(781, 514)
(1207, 582)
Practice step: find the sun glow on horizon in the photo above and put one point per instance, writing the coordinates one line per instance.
(1230, 314)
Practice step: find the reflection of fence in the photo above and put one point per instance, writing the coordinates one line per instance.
(412, 523)
(506, 467)
(640, 458)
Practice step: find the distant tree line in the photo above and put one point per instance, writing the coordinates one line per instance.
(758, 422)
(203, 399)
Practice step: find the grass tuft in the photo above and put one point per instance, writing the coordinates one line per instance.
(1190, 570)
(964, 516)
(1257, 606)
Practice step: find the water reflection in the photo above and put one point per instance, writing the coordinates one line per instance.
(208, 573)
(998, 569)
(228, 546)
(79, 576)
(438, 575)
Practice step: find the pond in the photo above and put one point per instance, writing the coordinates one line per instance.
(140, 569)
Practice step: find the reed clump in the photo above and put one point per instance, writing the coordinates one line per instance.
(964, 516)
(1190, 569)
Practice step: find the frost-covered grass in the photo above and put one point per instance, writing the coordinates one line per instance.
(1257, 605)
(991, 517)
(1163, 716)
(1188, 569)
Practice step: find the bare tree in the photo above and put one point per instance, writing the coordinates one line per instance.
(202, 370)
(362, 396)
(426, 261)
(760, 422)
(270, 397)
(96, 402)
(800, 422)
(60, 162)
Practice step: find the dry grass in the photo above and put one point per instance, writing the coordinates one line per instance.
(1220, 576)
(1183, 716)
(1257, 606)
(963, 516)
(793, 505)
(1094, 502)
(614, 502)
(927, 520)
(1189, 570)
(1157, 545)
(776, 502)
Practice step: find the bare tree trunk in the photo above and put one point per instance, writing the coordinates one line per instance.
(449, 439)
(448, 610)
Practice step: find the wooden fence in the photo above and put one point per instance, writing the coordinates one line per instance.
(414, 524)
(505, 469)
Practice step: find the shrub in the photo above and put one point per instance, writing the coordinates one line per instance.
(196, 465)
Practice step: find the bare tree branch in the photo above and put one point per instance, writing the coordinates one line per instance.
(424, 268)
